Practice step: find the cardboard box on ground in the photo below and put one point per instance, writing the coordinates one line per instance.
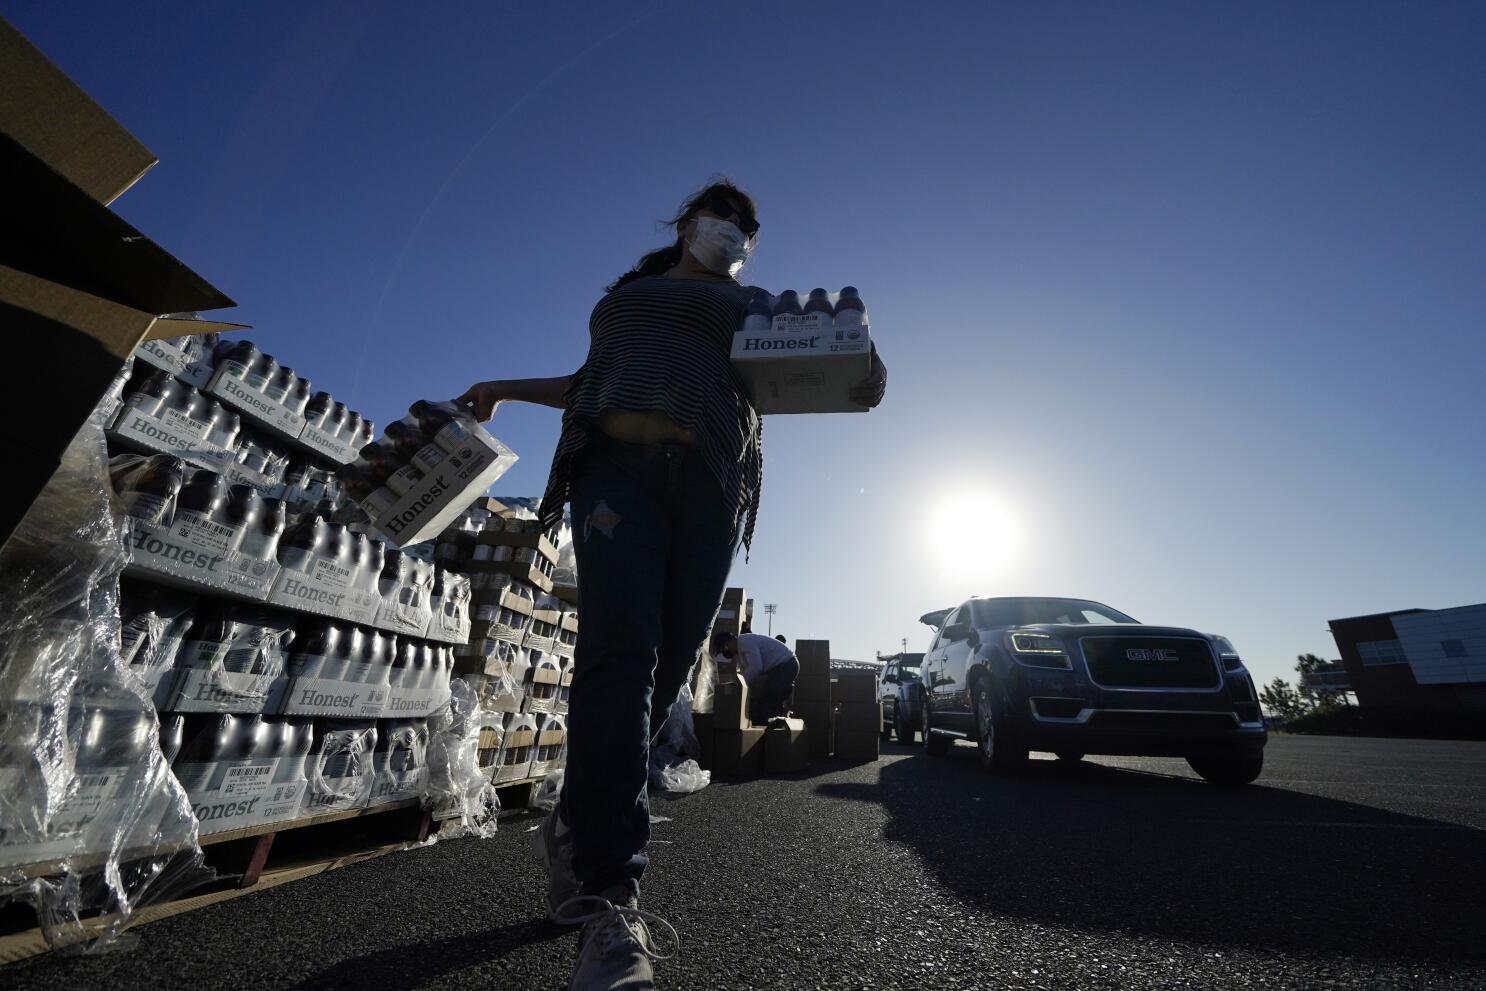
(76, 282)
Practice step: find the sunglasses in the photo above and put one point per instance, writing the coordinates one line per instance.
(725, 208)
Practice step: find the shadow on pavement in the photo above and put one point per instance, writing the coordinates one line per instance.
(429, 959)
(1107, 849)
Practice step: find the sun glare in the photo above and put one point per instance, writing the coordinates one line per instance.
(973, 533)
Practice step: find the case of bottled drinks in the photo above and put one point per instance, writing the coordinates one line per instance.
(424, 470)
(85, 784)
(804, 355)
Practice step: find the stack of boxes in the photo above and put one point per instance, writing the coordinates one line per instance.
(520, 652)
(813, 702)
(858, 732)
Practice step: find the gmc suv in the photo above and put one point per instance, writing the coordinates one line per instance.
(1076, 677)
(902, 696)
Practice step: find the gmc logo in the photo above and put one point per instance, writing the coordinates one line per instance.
(1142, 654)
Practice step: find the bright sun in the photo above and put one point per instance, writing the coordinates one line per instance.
(973, 533)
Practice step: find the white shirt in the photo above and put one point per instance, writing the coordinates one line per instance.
(758, 653)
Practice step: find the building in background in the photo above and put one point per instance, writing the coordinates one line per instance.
(1416, 659)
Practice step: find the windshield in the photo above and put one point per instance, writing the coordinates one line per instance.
(990, 614)
(908, 671)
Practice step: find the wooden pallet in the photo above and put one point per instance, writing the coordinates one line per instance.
(256, 858)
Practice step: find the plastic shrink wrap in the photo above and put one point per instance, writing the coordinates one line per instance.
(93, 824)
(460, 784)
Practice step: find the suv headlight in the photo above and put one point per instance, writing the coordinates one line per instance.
(1227, 653)
(1039, 650)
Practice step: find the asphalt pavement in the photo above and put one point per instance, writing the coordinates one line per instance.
(1350, 863)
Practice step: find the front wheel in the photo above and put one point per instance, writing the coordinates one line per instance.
(1228, 769)
(935, 744)
(1000, 753)
(901, 728)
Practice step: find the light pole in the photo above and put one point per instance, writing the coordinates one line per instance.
(769, 609)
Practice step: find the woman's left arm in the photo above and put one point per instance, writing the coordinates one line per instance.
(869, 391)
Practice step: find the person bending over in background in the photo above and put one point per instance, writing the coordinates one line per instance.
(661, 459)
(767, 666)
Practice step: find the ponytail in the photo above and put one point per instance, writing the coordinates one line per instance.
(658, 262)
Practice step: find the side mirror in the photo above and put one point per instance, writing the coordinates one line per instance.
(957, 631)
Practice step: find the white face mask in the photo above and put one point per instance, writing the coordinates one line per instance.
(718, 244)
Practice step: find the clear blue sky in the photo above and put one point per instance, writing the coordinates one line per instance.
(1189, 296)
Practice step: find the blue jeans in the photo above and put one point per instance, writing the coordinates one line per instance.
(653, 545)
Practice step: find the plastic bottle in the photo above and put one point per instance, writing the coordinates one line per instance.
(150, 493)
(404, 438)
(237, 359)
(205, 747)
(201, 500)
(172, 736)
(241, 512)
(348, 650)
(301, 740)
(335, 419)
(318, 408)
(301, 542)
(321, 640)
(450, 427)
(758, 317)
(788, 304)
(404, 664)
(820, 303)
(148, 396)
(851, 314)
(376, 666)
(222, 425)
(298, 397)
(261, 541)
(277, 388)
(351, 429)
(261, 372)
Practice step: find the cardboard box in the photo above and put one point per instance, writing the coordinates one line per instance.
(541, 688)
(737, 752)
(255, 407)
(443, 494)
(52, 118)
(399, 763)
(856, 744)
(171, 432)
(801, 364)
(786, 746)
(78, 284)
(551, 746)
(330, 588)
(415, 703)
(337, 449)
(856, 686)
(812, 690)
(542, 635)
(730, 699)
(517, 749)
(859, 716)
(335, 697)
(814, 657)
(512, 611)
(185, 557)
(216, 690)
(339, 768)
(819, 722)
(534, 539)
(245, 794)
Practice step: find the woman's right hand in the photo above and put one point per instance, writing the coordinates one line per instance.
(482, 398)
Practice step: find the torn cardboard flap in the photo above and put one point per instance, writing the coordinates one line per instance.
(51, 116)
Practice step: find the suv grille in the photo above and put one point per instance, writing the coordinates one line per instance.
(1151, 662)
(1163, 722)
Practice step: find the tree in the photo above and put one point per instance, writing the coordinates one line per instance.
(1281, 700)
(1312, 697)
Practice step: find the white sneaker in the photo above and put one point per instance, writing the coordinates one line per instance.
(614, 950)
(555, 849)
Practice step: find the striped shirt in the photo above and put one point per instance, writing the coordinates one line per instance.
(665, 345)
